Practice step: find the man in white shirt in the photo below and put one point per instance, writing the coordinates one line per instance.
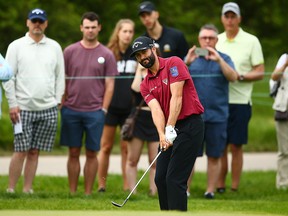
(33, 95)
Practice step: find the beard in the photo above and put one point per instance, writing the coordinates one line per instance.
(149, 61)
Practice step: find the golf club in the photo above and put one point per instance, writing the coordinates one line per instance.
(120, 205)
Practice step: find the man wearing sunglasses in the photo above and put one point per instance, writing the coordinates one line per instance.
(33, 94)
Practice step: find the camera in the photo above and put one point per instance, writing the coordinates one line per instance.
(201, 52)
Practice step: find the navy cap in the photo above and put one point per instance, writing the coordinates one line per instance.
(141, 43)
(146, 6)
(37, 14)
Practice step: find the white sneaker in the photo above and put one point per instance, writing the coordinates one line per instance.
(29, 191)
(10, 190)
(188, 193)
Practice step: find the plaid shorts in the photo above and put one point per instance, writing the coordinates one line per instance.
(39, 130)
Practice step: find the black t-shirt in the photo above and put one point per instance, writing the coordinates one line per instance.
(172, 43)
(122, 97)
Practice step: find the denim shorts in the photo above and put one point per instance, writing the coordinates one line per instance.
(215, 138)
(75, 126)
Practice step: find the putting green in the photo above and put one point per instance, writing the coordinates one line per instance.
(120, 212)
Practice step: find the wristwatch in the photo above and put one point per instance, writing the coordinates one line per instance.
(241, 78)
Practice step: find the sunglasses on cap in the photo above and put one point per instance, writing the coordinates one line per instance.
(37, 20)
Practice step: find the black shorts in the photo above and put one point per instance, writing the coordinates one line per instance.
(115, 118)
(239, 117)
(144, 127)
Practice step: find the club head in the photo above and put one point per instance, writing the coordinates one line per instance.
(116, 204)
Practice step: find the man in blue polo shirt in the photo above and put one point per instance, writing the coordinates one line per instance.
(211, 75)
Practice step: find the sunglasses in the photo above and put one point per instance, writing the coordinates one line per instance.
(207, 38)
(37, 20)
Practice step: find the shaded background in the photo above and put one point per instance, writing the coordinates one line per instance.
(265, 19)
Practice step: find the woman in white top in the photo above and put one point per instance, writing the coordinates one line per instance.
(5, 74)
(281, 104)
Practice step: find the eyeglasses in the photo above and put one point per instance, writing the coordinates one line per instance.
(205, 38)
(37, 20)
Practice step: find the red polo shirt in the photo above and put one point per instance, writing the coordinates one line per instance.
(171, 70)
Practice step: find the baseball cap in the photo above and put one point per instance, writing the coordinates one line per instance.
(141, 43)
(37, 13)
(146, 6)
(231, 6)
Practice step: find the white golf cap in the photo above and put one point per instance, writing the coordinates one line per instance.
(231, 6)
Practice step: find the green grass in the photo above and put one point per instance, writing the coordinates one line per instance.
(256, 196)
(120, 213)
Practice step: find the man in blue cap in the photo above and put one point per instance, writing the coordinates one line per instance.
(33, 95)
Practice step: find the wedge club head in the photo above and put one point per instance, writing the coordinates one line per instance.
(119, 205)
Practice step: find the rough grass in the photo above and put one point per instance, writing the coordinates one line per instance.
(256, 196)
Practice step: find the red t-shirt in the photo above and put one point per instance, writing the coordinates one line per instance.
(171, 70)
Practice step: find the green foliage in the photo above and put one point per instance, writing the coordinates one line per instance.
(256, 195)
(265, 19)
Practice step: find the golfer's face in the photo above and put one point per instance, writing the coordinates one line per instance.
(90, 29)
(145, 57)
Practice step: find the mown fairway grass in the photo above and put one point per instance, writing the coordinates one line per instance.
(256, 196)
(120, 213)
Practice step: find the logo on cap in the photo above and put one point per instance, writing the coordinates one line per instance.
(143, 6)
(136, 44)
(37, 11)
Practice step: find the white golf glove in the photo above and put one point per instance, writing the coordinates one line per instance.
(170, 134)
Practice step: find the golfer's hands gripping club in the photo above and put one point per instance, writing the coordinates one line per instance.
(170, 136)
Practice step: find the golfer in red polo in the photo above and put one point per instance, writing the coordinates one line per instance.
(176, 110)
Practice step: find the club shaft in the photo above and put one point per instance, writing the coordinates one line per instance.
(144, 174)
(139, 180)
